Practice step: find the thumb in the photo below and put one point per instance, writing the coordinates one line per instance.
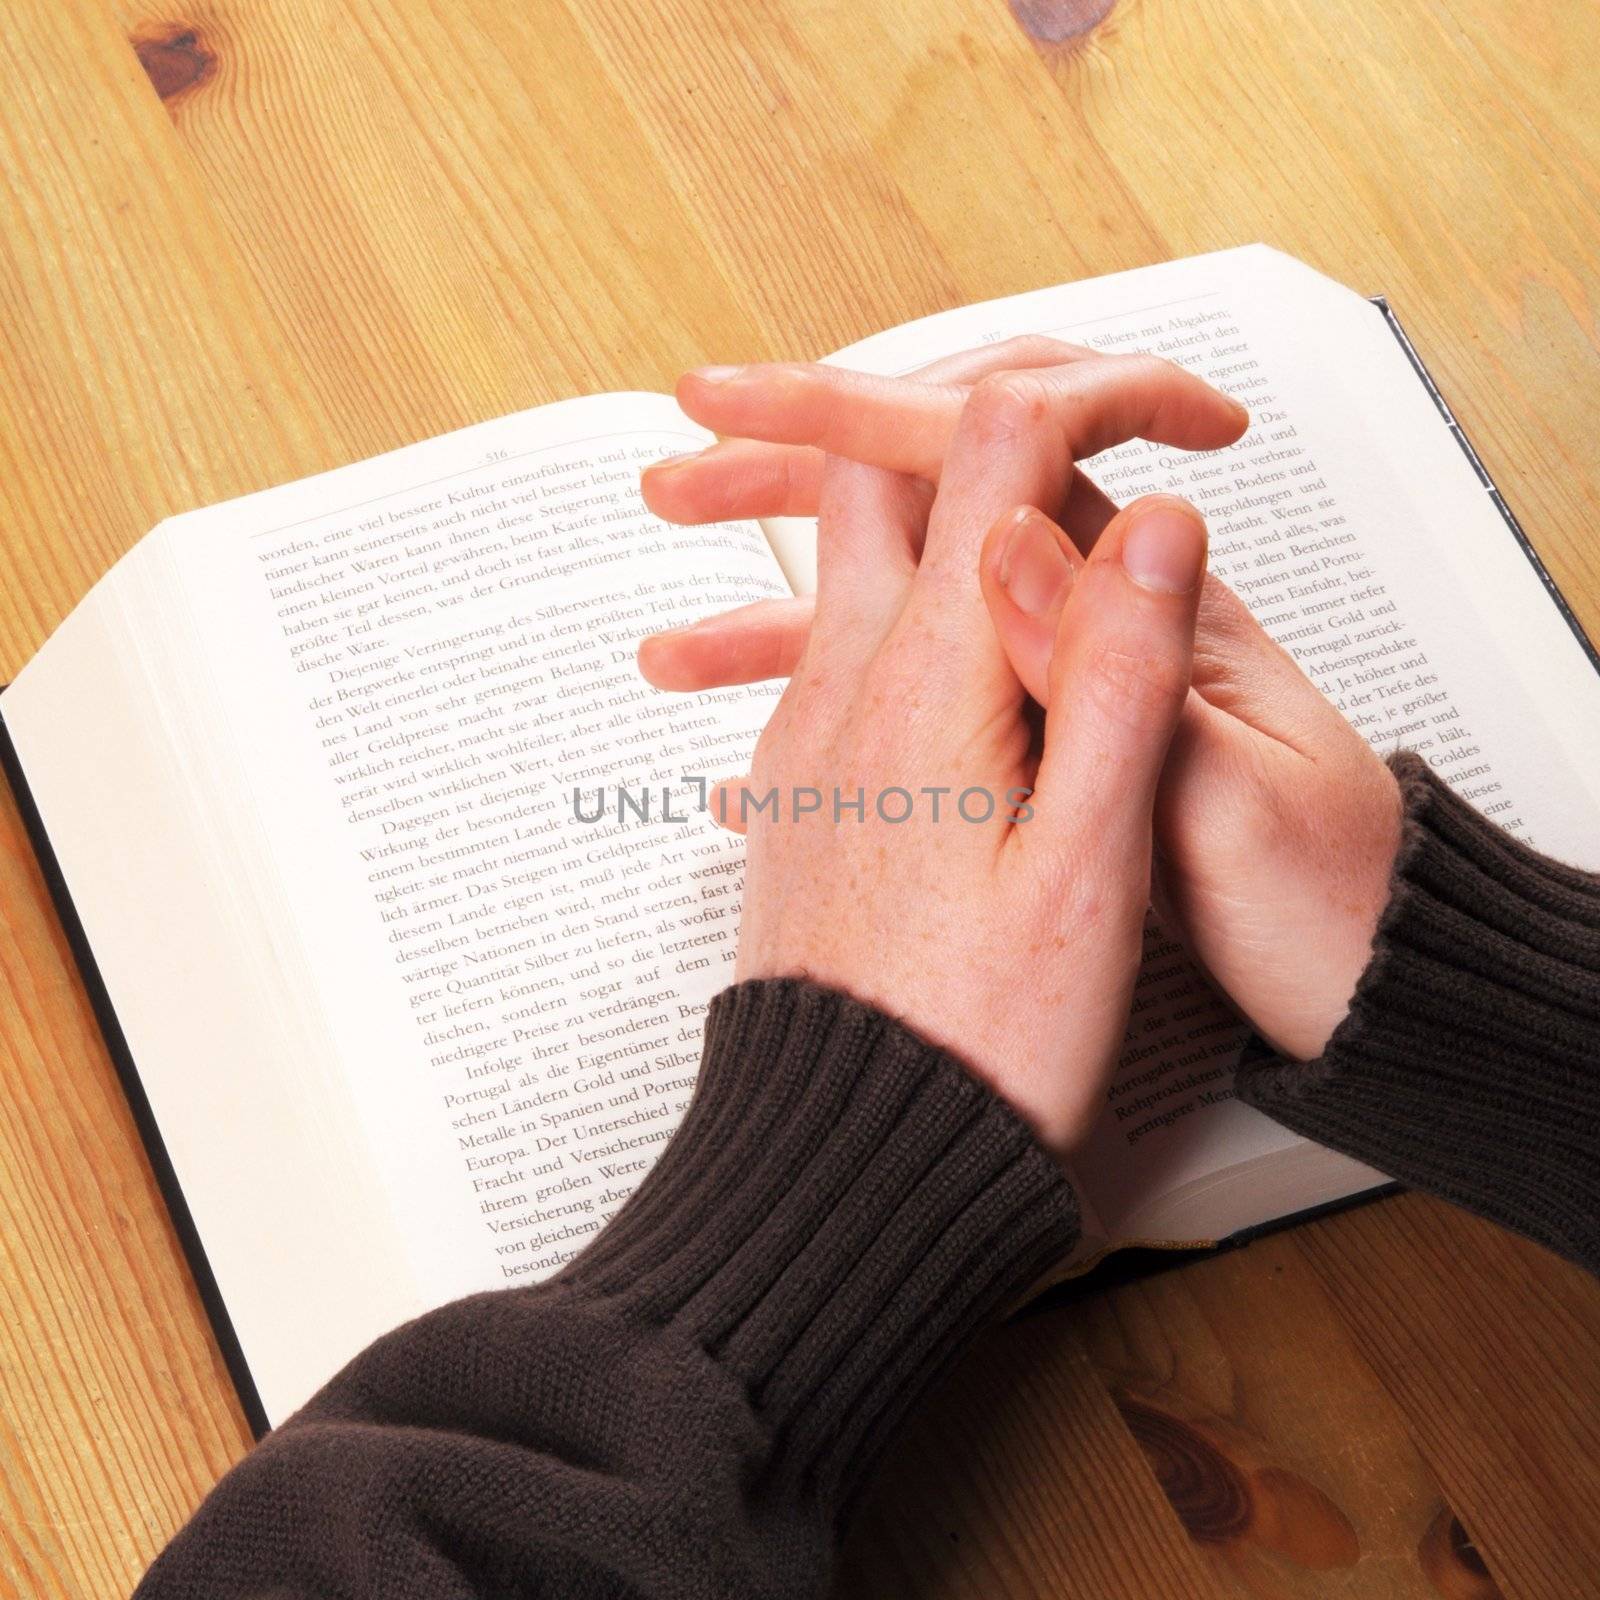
(1119, 671)
(1026, 570)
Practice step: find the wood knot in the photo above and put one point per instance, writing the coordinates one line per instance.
(1060, 22)
(1230, 1494)
(175, 58)
(1206, 1489)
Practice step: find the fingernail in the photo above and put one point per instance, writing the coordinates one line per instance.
(1165, 549)
(717, 374)
(674, 461)
(1240, 407)
(1034, 569)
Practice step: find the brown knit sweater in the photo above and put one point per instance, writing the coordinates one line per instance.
(689, 1408)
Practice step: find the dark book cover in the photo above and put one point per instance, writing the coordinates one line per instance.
(128, 1072)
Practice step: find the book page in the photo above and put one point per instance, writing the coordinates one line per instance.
(476, 838)
(1357, 530)
(212, 1004)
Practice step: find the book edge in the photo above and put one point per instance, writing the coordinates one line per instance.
(1131, 1262)
(1123, 1263)
(144, 1119)
(1119, 1264)
(1490, 487)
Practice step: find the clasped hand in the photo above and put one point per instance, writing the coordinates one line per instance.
(969, 867)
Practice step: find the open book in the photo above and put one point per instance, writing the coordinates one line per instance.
(402, 1020)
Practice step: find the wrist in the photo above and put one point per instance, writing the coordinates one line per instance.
(1342, 918)
(1467, 1063)
(841, 1209)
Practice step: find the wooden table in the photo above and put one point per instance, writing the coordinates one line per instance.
(257, 238)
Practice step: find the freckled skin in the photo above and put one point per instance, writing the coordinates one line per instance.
(956, 926)
(1277, 826)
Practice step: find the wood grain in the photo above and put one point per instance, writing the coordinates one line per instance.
(241, 242)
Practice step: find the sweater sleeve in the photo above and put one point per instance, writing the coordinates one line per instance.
(689, 1407)
(1469, 1062)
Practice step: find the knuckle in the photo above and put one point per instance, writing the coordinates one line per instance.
(1061, 891)
(1072, 893)
(895, 693)
(1007, 404)
(1222, 621)
(1220, 607)
(1153, 368)
(796, 474)
(1135, 688)
(803, 391)
(839, 477)
(792, 375)
(1032, 350)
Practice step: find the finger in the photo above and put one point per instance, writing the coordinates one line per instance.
(906, 424)
(902, 423)
(870, 527)
(898, 423)
(1026, 572)
(1006, 451)
(730, 803)
(733, 479)
(1119, 677)
(1024, 350)
(1021, 432)
(744, 478)
(747, 645)
(741, 477)
(1240, 669)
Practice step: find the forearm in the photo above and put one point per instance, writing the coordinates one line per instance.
(1469, 1064)
(689, 1406)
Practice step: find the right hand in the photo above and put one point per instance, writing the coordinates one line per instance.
(1277, 826)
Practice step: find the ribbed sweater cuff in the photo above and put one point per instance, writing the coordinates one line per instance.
(843, 1206)
(1469, 1063)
